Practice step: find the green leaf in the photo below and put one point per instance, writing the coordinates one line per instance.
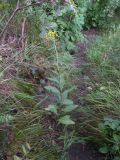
(116, 137)
(54, 79)
(61, 23)
(66, 92)
(118, 129)
(101, 126)
(52, 108)
(1, 74)
(53, 89)
(72, 38)
(66, 120)
(115, 148)
(117, 158)
(69, 108)
(114, 125)
(28, 146)
(62, 80)
(67, 102)
(24, 150)
(104, 150)
(6, 118)
(70, 45)
(52, 25)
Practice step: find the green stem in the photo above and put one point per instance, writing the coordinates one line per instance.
(57, 56)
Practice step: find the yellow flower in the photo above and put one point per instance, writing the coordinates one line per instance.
(51, 34)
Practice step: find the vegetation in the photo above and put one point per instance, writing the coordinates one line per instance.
(103, 96)
(100, 12)
(40, 119)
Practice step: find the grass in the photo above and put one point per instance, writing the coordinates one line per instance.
(35, 132)
(102, 100)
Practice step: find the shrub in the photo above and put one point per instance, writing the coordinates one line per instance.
(55, 18)
(99, 11)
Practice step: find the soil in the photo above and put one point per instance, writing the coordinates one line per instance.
(84, 152)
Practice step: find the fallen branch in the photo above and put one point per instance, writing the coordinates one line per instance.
(18, 8)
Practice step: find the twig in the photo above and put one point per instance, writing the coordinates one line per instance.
(18, 8)
(23, 32)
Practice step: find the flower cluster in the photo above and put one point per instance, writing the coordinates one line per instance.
(51, 34)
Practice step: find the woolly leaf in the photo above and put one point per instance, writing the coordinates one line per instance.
(53, 89)
(52, 108)
(69, 108)
(66, 92)
(66, 120)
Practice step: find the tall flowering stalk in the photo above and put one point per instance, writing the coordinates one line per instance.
(51, 35)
